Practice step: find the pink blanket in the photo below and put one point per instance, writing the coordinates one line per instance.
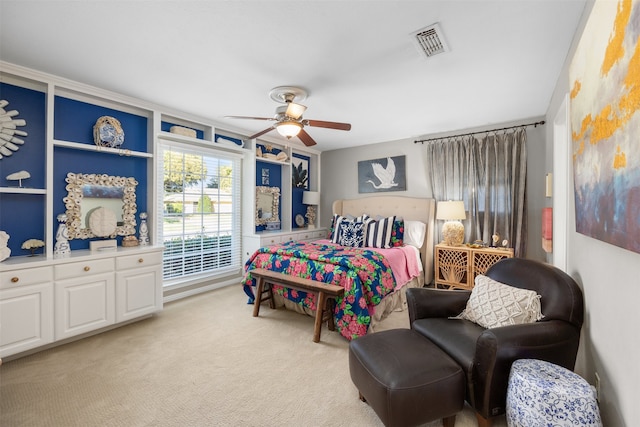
(404, 261)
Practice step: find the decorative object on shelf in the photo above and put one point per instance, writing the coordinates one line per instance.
(282, 156)
(311, 199)
(495, 238)
(258, 152)
(129, 241)
(229, 142)
(300, 172)
(107, 132)
(373, 177)
(300, 220)
(272, 225)
(143, 239)
(89, 191)
(452, 230)
(9, 142)
(181, 130)
(32, 245)
(5, 252)
(267, 205)
(61, 247)
(102, 222)
(19, 176)
(505, 243)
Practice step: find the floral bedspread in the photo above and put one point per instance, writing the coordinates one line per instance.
(364, 274)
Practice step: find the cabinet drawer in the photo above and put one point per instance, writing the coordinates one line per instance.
(140, 260)
(15, 278)
(84, 268)
(270, 240)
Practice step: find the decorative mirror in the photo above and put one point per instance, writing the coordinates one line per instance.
(96, 194)
(267, 204)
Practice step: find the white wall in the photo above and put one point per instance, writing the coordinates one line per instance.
(610, 279)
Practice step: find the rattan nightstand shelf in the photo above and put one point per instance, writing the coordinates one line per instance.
(458, 266)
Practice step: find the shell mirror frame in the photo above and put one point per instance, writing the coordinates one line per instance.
(90, 193)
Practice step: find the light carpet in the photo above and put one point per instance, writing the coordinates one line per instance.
(202, 361)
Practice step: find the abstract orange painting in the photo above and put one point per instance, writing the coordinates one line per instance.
(605, 124)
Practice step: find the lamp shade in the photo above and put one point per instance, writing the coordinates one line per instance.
(311, 198)
(451, 210)
(288, 128)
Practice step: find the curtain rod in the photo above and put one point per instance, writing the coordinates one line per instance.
(535, 124)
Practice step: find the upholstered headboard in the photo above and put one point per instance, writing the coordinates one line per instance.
(409, 208)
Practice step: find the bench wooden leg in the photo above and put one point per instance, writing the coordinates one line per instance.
(258, 298)
(330, 308)
(319, 314)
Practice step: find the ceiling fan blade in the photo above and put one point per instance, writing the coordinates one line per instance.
(248, 117)
(294, 110)
(262, 132)
(330, 125)
(306, 138)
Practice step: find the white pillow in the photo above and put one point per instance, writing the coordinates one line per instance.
(493, 304)
(414, 232)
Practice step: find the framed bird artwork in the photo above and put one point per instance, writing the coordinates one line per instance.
(381, 175)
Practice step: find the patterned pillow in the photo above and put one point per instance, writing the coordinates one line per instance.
(352, 233)
(397, 233)
(493, 304)
(379, 233)
(339, 219)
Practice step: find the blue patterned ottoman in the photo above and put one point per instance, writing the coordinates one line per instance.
(543, 394)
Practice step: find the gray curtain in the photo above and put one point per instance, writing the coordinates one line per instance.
(488, 172)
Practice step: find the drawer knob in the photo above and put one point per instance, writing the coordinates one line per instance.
(141, 260)
(15, 279)
(87, 268)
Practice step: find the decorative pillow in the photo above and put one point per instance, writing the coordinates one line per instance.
(414, 232)
(352, 233)
(397, 233)
(379, 233)
(339, 219)
(493, 304)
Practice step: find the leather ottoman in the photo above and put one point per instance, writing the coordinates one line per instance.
(406, 378)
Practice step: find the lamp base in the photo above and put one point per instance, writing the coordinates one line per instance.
(453, 233)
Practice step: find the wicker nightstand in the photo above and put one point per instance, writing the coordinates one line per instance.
(458, 266)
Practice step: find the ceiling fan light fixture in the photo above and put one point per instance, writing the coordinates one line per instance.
(295, 110)
(288, 128)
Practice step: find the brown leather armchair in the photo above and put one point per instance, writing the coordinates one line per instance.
(486, 355)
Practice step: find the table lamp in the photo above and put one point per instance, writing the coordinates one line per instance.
(312, 199)
(452, 230)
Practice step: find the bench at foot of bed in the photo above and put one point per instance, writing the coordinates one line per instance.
(325, 295)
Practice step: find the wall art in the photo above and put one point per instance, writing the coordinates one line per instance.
(382, 175)
(605, 118)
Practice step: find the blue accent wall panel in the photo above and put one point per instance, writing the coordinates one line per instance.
(31, 156)
(22, 217)
(74, 121)
(70, 160)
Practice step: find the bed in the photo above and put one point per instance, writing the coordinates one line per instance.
(375, 278)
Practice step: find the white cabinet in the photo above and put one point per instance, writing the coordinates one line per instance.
(138, 285)
(26, 309)
(54, 299)
(84, 297)
(252, 243)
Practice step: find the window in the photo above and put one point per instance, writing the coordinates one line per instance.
(199, 221)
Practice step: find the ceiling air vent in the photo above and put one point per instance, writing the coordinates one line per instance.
(430, 40)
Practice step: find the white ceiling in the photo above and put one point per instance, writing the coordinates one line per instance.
(356, 59)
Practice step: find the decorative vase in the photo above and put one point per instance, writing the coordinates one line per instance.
(144, 231)
(62, 237)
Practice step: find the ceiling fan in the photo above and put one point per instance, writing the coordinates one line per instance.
(288, 117)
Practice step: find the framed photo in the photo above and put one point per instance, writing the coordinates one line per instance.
(300, 171)
(265, 176)
(380, 175)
